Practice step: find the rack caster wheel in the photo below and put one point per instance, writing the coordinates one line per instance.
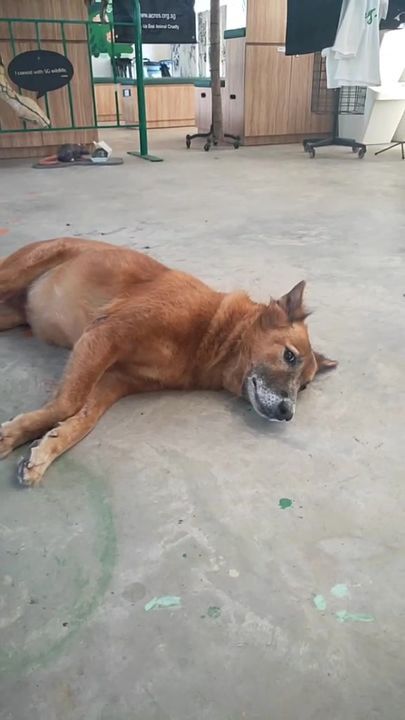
(311, 152)
(362, 153)
(207, 147)
(188, 142)
(236, 145)
(215, 142)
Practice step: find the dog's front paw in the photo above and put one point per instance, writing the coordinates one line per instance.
(30, 469)
(28, 474)
(6, 441)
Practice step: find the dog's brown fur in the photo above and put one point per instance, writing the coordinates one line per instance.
(135, 326)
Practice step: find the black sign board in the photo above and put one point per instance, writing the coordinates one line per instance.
(163, 21)
(40, 71)
(168, 21)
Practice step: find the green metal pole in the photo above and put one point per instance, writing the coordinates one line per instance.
(113, 58)
(93, 92)
(140, 85)
(140, 89)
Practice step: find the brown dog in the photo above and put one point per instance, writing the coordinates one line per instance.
(136, 326)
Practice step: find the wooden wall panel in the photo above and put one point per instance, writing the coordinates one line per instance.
(166, 106)
(303, 119)
(51, 9)
(266, 21)
(105, 102)
(69, 10)
(268, 75)
(128, 106)
(278, 94)
(168, 103)
(58, 100)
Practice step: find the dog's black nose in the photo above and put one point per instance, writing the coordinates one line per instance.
(285, 410)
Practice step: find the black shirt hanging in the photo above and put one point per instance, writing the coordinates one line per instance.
(395, 16)
(311, 25)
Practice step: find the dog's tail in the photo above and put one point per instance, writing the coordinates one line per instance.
(21, 268)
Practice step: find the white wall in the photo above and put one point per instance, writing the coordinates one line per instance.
(102, 66)
(235, 11)
(201, 5)
(236, 14)
(156, 52)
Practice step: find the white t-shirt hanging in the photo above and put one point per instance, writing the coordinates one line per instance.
(354, 58)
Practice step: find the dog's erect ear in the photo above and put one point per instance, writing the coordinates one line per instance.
(292, 303)
(272, 316)
(323, 364)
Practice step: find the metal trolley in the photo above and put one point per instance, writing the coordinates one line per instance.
(344, 101)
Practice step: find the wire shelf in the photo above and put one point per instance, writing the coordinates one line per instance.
(352, 100)
(345, 101)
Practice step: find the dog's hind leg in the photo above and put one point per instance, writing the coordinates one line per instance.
(11, 317)
(19, 270)
(93, 354)
(108, 390)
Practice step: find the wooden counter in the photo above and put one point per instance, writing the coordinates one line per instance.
(45, 142)
(169, 103)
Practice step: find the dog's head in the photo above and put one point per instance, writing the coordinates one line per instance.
(278, 360)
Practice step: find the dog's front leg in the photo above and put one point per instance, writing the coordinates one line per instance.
(106, 392)
(93, 354)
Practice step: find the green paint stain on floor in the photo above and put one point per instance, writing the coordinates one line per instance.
(214, 612)
(87, 596)
(165, 601)
(320, 602)
(343, 616)
(285, 503)
(340, 590)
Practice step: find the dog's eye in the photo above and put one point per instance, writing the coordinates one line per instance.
(290, 357)
(303, 387)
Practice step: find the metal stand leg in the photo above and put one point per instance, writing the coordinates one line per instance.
(394, 145)
(210, 139)
(334, 139)
(357, 147)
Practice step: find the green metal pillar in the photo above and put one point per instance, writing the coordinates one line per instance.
(140, 86)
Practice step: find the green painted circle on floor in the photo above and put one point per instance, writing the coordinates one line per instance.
(58, 549)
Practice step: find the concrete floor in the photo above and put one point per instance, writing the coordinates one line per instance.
(284, 614)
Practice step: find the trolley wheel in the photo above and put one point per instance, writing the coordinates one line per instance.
(207, 147)
(362, 153)
(188, 142)
(305, 146)
(311, 152)
(215, 142)
(236, 145)
(354, 149)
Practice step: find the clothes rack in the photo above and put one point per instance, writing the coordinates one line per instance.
(347, 100)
